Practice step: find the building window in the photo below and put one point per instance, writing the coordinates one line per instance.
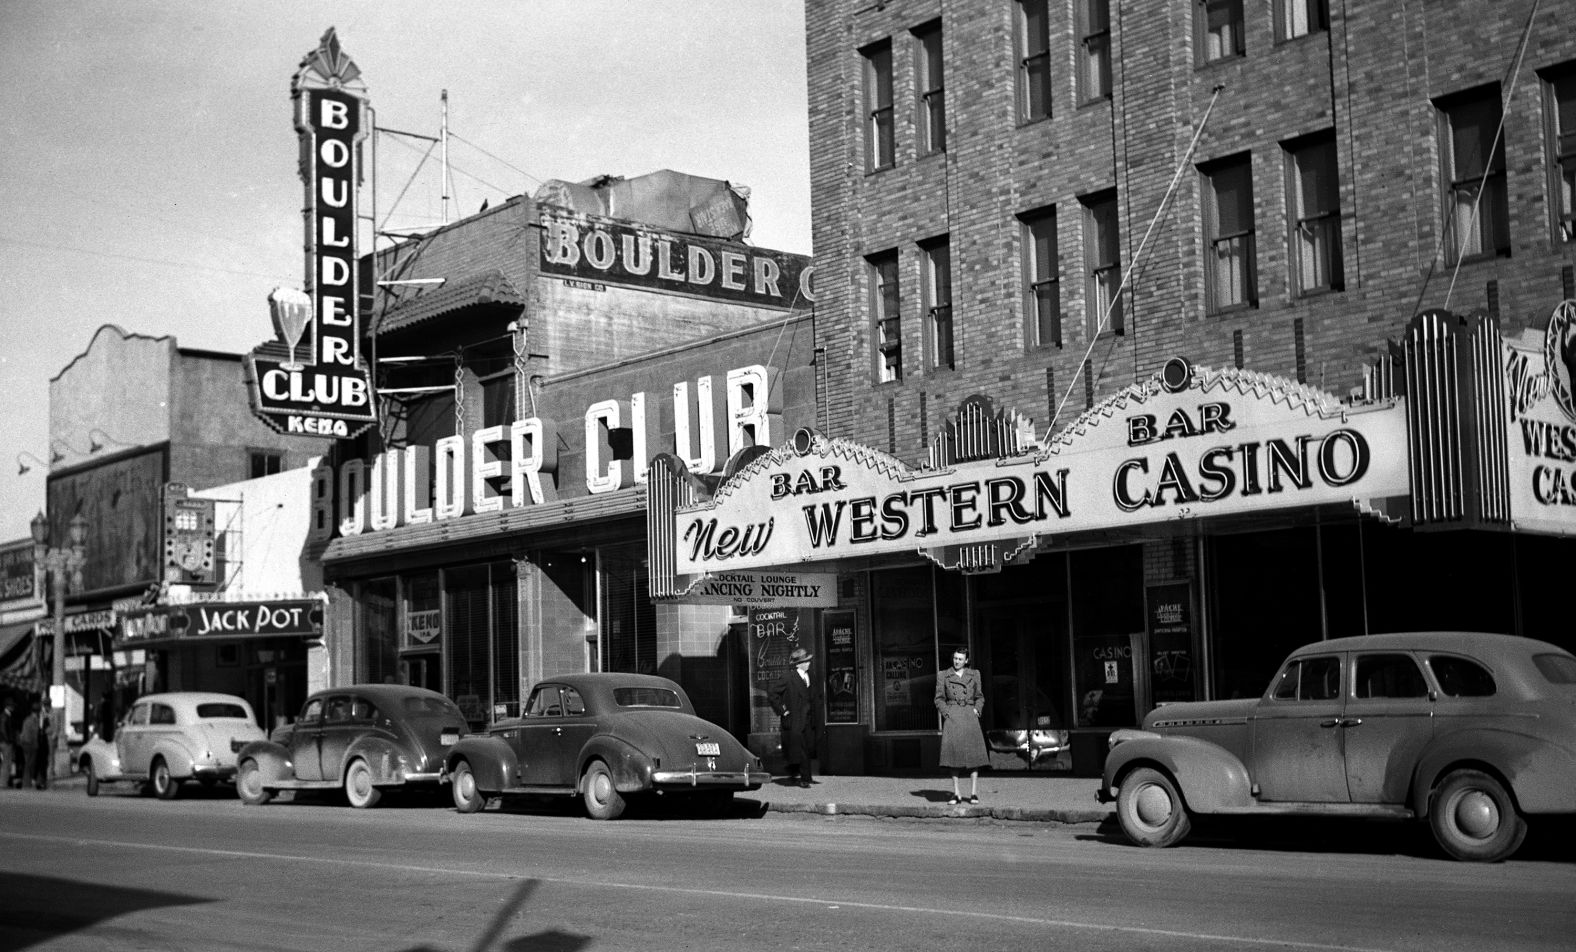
(1315, 203)
(1219, 27)
(916, 614)
(1042, 293)
(879, 149)
(886, 315)
(1103, 260)
(1474, 156)
(265, 462)
(1094, 30)
(1560, 97)
(498, 400)
(938, 302)
(1294, 18)
(931, 90)
(1231, 279)
(1034, 60)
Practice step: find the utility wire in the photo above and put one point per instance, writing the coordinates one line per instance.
(483, 151)
(110, 254)
(1137, 257)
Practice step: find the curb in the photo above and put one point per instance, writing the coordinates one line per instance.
(1067, 816)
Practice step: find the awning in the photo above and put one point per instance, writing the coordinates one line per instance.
(18, 660)
(482, 289)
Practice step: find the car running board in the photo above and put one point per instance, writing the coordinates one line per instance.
(1377, 811)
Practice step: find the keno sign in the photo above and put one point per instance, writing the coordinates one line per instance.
(1182, 446)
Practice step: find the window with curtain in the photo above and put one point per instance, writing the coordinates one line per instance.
(932, 105)
(880, 150)
(1231, 278)
(1473, 150)
(1042, 278)
(886, 316)
(938, 302)
(1034, 60)
(1103, 257)
(1296, 18)
(1315, 218)
(1560, 99)
(1219, 28)
(1094, 33)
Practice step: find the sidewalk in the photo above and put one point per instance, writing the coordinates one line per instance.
(1017, 795)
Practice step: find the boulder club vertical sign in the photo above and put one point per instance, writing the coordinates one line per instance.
(311, 380)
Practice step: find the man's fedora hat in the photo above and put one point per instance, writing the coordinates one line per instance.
(798, 655)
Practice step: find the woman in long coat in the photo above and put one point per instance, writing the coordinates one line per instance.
(961, 700)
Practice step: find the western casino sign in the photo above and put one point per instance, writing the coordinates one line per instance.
(1181, 445)
(1540, 417)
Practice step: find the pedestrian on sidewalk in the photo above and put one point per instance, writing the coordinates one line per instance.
(961, 700)
(797, 699)
(8, 727)
(28, 739)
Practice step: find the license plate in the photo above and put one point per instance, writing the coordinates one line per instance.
(449, 738)
(708, 750)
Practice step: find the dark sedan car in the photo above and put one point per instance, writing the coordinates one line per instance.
(365, 738)
(603, 737)
(1470, 731)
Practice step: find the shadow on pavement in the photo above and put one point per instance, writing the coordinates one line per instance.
(36, 909)
(550, 940)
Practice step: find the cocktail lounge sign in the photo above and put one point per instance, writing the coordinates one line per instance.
(1183, 444)
(312, 380)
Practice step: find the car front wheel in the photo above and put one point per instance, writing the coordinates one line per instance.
(165, 787)
(249, 784)
(91, 777)
(1474, 819)
(358, 786)
(1150, 809)
(602, 799)
(462, 782)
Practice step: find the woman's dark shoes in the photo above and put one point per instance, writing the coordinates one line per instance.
(954, 801)
(974, 799)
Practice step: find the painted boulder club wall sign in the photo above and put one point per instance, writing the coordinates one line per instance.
(1183, 444)
(312, 380)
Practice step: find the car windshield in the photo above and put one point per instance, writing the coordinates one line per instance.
(214, 710)
(646, 697)
(1557, 668)
(424, 706)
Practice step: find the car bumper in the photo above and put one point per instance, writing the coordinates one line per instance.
(434, 777)
(708, 779)
(213, 771)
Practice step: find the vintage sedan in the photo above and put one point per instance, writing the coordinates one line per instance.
(166, 739)
(603, 737)
(365, 739)
(1471, 731)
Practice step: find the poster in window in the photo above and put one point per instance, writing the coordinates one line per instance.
(842, 678)
(1103, 666)
(1170, 615)
(773, 633)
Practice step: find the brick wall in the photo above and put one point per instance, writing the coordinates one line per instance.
(1372, 80)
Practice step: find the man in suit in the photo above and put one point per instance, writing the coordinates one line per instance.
(797, 699)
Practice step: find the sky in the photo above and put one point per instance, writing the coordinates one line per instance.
(148, 175)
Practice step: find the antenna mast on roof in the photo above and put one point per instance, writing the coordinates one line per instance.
(443, 136)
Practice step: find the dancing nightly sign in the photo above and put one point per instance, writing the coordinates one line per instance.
(311, 381)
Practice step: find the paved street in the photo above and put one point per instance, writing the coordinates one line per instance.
(205, 873)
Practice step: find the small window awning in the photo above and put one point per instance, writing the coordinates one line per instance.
(18, 661)
(483, 289)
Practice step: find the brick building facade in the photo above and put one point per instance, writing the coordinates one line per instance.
(1043, 203)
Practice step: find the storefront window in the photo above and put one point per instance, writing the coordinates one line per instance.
(914, 612)
(480, 622)
(1108, 620)
(378, 660)
(629, 622)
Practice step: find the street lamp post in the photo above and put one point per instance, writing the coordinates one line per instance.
(64, 566)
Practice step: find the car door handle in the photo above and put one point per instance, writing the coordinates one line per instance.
(1351, 721)
(1332, 722)
(558, 732)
